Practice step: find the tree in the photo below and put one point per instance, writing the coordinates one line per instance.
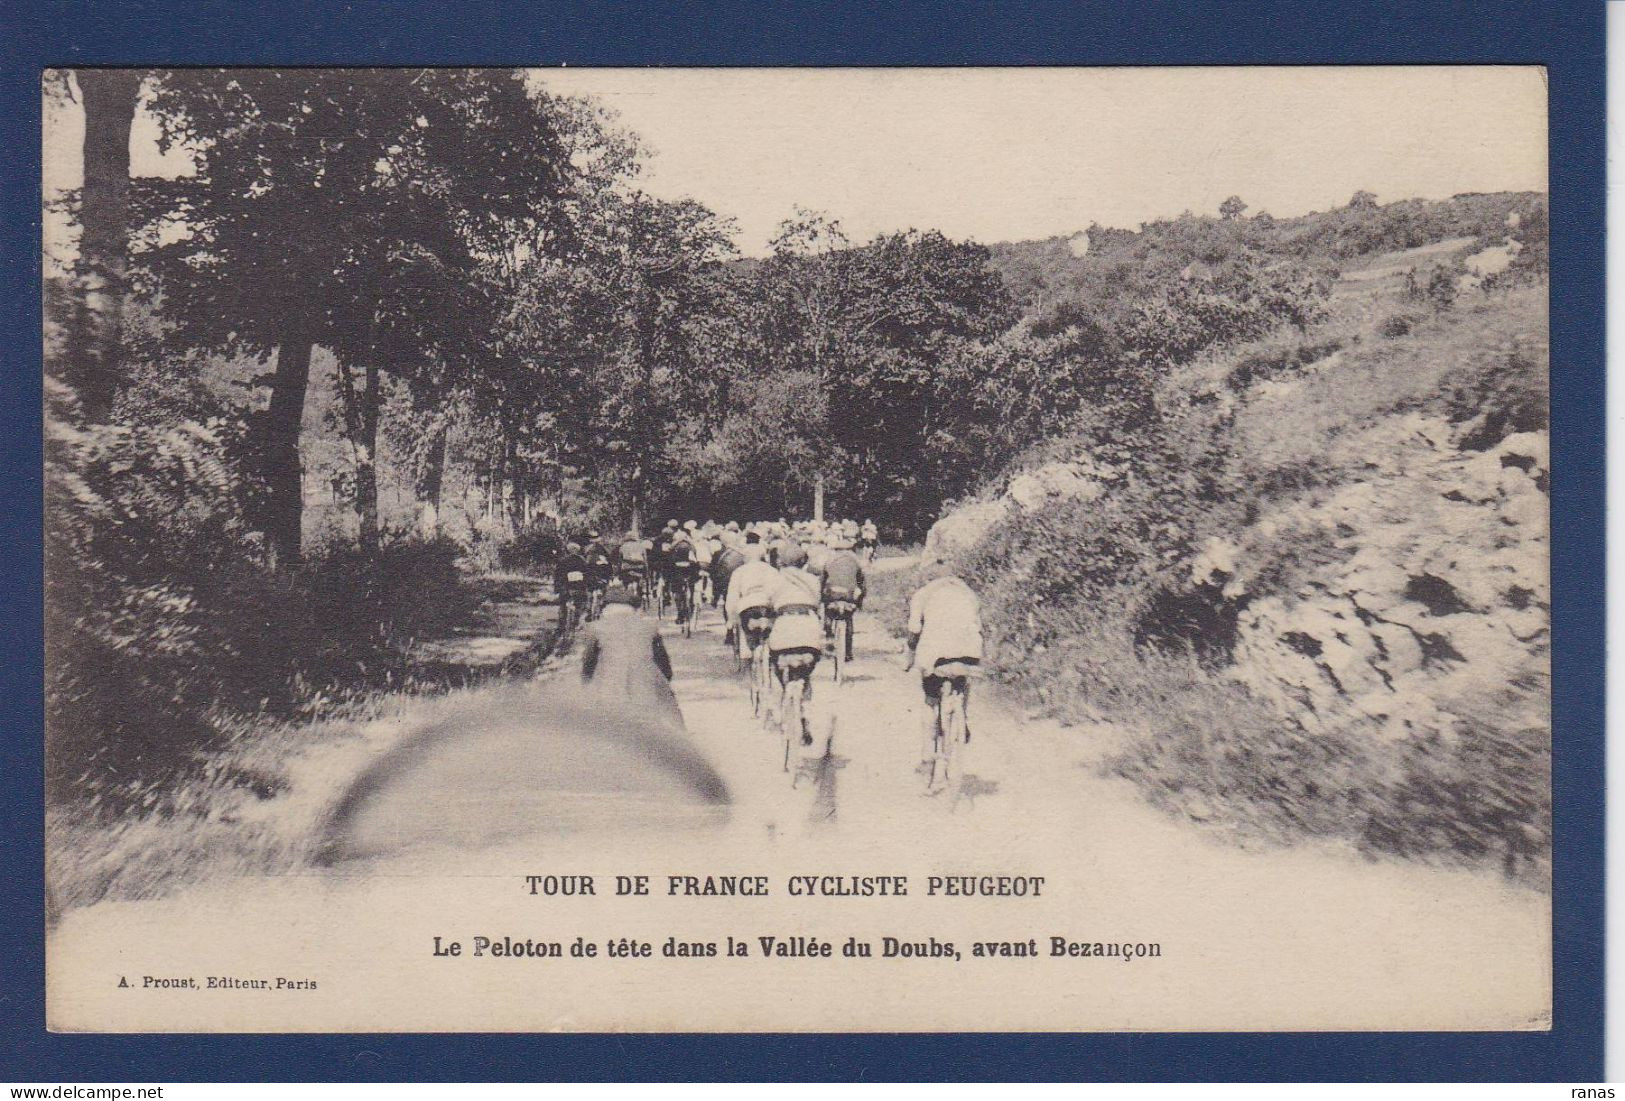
(351, 209)
(839, 370)
(1363, 200)
(109, 97)
(1232, 208)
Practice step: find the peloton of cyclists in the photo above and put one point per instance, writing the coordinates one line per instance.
(692, 563)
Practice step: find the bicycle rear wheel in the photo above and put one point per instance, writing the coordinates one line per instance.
(685, 607)
(790, 718)
(953, 730)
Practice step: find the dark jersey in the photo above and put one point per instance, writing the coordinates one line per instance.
(600, 566)
(572, 573)
(660, 553)
(843, 575)
(680, 556)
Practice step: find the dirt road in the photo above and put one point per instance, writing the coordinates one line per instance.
(1304, 938)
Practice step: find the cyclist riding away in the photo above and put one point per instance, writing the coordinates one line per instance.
(797, 640)
(572, 581)
(944, 628)
(681, 574)
(632, 565)
(843, 587)
(600, 570)
(749, 603)
(723, 565)
(705, 549)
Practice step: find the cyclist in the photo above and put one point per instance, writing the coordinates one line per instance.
(818, 552)
(624, 660)
(749, 604)
(944, 625)
(632, 564)
(572, 582)
(600, 569)
(843, 586)
(783, 543)
(682, 573)
(705, 549)
(797, 640)
(868, 539)
(658, 550)
(723, 565)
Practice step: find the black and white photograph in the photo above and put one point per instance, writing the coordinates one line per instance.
(797, 550)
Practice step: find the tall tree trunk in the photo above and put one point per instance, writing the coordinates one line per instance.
(514, 514)
(431, 481)
(366, 465)
(818, 497)
(361, 409)
(109, 97)
(280, 466)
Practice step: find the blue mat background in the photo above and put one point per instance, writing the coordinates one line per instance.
(1566, 37)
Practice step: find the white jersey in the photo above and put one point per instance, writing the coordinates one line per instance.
(947, 615)
(750, 586)
(796, 588)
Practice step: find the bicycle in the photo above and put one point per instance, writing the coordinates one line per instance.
(754, 627)
(951, 727)
(684, 599)
(570, 613)
(633, 579)
(839, 613)
(795, 671)
(791, 701)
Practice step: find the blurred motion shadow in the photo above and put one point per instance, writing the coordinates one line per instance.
(605, 752)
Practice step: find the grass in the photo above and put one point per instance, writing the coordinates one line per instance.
(251, 806)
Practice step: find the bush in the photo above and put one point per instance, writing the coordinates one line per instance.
(533, 550)
(1437, 287)
(131, 514)
(1497, 395)
(161, 623)
(1398, 325)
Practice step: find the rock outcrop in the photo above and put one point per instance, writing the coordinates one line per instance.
(1041, 487)
(1427, 595)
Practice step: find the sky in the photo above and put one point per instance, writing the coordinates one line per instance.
(1011, 154)
(1021, 153)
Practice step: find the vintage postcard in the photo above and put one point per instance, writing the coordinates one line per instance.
(797, 550)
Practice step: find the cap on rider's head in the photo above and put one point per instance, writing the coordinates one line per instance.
(691, 525)
(793, 555)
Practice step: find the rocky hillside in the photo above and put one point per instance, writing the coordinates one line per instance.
(1315, 593)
